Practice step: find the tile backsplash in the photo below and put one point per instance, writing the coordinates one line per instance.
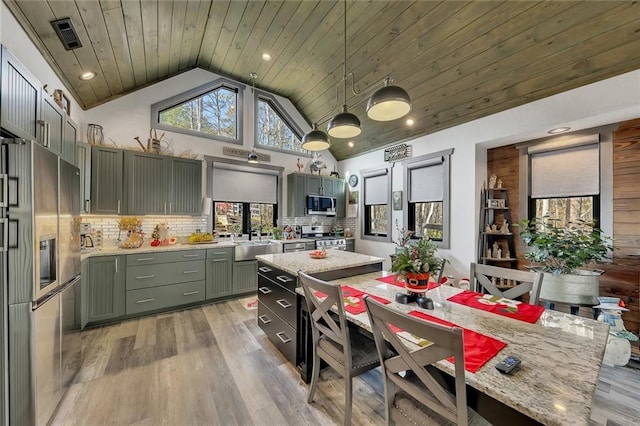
(179, 226)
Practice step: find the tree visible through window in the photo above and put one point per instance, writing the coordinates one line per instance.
(213, 113)
(567, 209)
(273, 131)
(427, 219)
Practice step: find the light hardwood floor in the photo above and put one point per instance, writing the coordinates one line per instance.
(212, 365)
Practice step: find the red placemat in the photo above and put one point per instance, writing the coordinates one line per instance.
(505, 307)
(352, 299)
(478, 348)
(398, 281)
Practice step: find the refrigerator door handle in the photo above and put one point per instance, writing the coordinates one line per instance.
(5, 191)
(4, 223)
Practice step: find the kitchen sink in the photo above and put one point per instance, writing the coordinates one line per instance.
(248, 250)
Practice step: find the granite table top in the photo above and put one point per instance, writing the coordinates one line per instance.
(301, 261)
(561, 354)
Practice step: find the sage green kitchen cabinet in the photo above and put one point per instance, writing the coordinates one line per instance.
(340, 192)
(296, 195)
(20, 99)
(219, 272)
(106, 288)
(106, 180)
(186, 187)
(313, 185)
(84, 293)
(69, 141)
(52, 124)
(147, 178)
(83, 162)
(245, 276)
(351, 245)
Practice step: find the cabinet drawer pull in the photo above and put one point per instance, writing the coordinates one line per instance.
(145, 300)
(144, 277)
(145, 259)
(264, 269)
(284, 303)
(284, 278)
(190, 293)
(284, 339)
(195, 271)
(219, 252)
(190, 255)
(264, 319)
(264, 290)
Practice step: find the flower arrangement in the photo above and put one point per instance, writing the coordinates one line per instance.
(419, 258)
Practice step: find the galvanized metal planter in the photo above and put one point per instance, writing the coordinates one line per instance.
(579, 289)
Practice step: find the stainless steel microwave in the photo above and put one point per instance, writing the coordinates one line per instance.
(320, 205)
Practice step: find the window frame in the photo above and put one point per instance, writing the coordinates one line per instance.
(246, 216)
(419, 162)
(366, 174)
(183, 97)
(259, 96)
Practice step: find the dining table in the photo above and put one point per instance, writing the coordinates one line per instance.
(561, 354)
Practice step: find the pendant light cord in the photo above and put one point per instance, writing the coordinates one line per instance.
(344, 76)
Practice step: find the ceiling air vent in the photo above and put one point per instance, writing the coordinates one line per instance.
(67, 34)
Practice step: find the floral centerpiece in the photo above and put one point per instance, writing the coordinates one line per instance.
(415, 263)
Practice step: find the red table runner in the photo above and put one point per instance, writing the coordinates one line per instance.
(352, 299)
(478, 348)
(399, 281)
(505, 307)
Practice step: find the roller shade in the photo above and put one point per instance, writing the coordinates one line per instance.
(426, 181)
(244, 187)
(376, 189)
(566, 173)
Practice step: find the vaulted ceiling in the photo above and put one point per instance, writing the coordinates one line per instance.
(458, 60)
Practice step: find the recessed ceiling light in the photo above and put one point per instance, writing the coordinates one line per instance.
(351, 144)
(559, 130)
(266, 57)
(87, 75)
(409, 122)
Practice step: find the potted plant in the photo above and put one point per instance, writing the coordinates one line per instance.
(415, 263)
(563, 253)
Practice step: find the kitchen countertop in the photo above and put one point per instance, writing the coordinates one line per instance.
(300, 260)
(114, 250)
(561, 354)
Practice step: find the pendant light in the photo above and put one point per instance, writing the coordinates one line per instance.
(388, 103)
(344, 125)
(315, 140)
(253, 157)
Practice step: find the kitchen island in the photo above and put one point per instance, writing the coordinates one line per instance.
(282, 314)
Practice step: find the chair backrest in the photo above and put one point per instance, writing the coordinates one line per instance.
(323, 318)
(525, 281)
(446, 342)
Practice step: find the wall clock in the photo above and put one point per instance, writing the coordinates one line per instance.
(353, 180)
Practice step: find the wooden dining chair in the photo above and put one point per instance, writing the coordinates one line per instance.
(413, 390)
(349, 353)
(526, 281)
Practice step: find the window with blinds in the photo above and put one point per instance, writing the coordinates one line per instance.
(376, 212)
(564, 182)
(427, 183)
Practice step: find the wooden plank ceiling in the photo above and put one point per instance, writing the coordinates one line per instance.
(458, 60)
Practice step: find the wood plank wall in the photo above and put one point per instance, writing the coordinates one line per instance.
(622, 277)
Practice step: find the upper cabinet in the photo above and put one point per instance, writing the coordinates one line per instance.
(300, 185)
(28, 112)
(20, 103)
(134, 182)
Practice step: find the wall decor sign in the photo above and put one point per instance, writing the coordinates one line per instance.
(244, 153)
(496, 204)
(397, 200)
(397, 152)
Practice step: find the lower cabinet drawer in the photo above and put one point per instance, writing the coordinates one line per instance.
(149, 299)
(281, 301)
(145, 276)
(279, 332)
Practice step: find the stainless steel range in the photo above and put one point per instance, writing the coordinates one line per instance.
(324, 238)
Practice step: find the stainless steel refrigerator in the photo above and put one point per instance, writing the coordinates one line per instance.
(40, 261)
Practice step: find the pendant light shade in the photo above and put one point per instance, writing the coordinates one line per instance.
(315, 140)
(344, 125)
(388, 103)
(253, 157)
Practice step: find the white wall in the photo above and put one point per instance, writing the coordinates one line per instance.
(13, 37)
(609, 101)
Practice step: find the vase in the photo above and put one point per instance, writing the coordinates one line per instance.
(417, 283)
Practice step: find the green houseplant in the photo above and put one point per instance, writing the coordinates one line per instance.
(562, 254)
(415, 262)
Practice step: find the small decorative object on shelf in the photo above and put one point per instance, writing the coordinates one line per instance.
(492, 181)
(505, 227)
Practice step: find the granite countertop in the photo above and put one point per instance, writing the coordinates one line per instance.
(561, 354)
(300, 260)
(114, 250)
